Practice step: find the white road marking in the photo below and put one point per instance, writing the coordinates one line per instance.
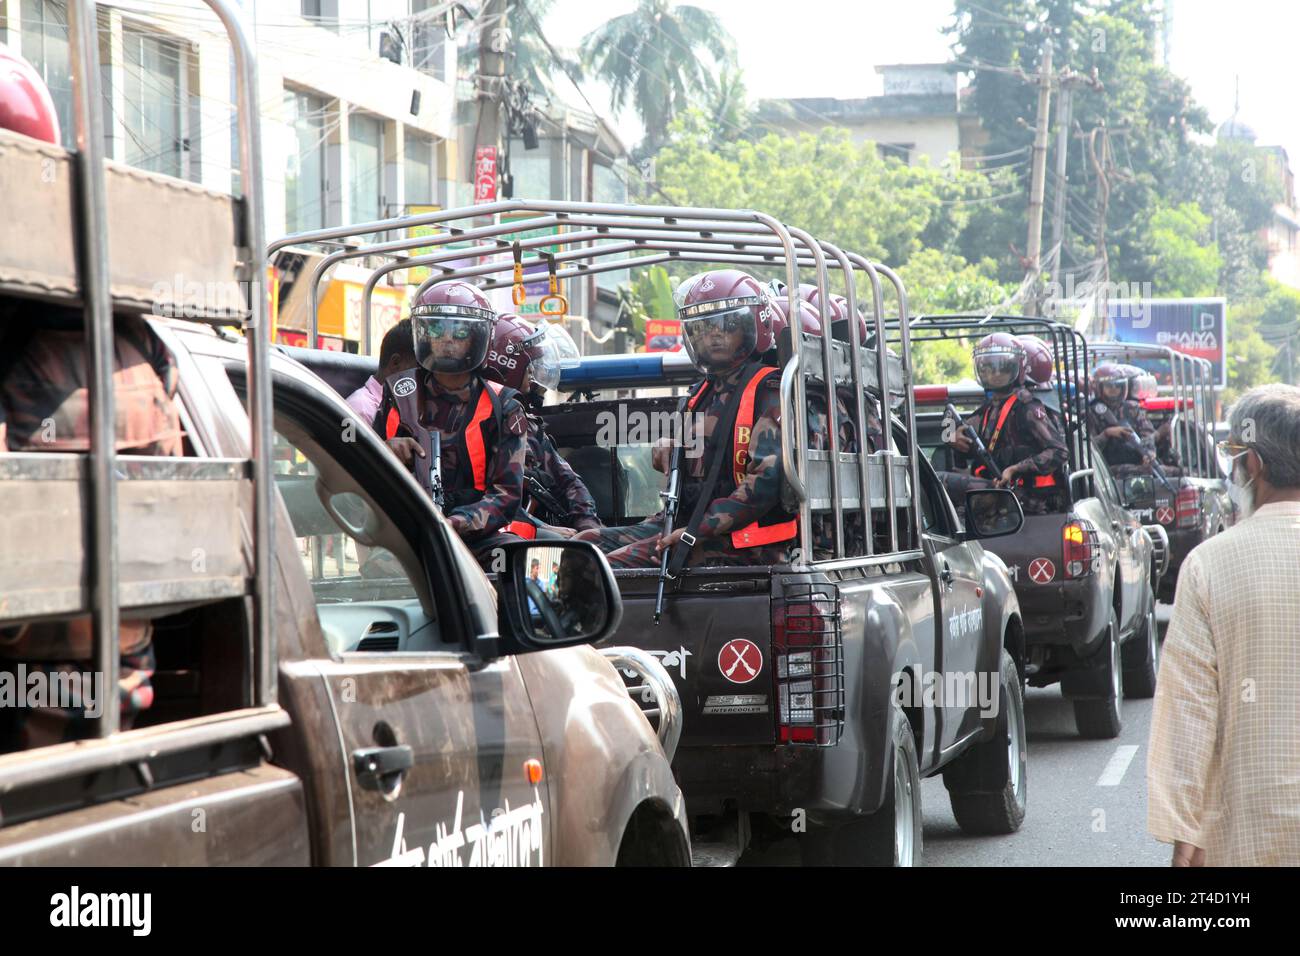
(1117, 765)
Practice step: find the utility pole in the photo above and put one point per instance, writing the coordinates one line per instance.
(1038, 174)
(1067, 81)
(489, 83)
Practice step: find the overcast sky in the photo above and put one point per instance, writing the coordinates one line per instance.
(831, 48)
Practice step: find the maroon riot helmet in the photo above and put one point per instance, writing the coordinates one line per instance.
(808, 318)
(999, 362)
(1039, 362)
(1110, 382)
(25, 103)
(451, 323)
(520, 351)
(726, 318)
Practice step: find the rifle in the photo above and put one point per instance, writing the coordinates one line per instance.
(428, 470)
(978, 450)
(1131, 440)
(539, 493)
(669, 496)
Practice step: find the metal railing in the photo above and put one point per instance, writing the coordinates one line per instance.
(93, 243)
(618, 237)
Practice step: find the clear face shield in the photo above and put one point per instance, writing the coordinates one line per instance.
(720, 341)
(450, 339)
(996, 370)
(543, 350)
(1112, 391)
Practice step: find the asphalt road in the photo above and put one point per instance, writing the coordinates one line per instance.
(1087, 799)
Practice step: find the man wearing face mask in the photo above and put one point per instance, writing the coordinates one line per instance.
(556, 502)
(480, 424)
(1225, 742)
(729, 510)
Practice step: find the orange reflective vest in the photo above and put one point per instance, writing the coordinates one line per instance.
(757, 533)
(475, 446)
(1038, 481)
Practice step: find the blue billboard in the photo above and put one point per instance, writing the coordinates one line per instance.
(1197, 327)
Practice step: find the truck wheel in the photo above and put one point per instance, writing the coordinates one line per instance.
(892, 835)
(988, 785)
(1102, 719)
(1141, 657)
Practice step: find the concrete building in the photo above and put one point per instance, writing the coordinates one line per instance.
(1282, 235)
(919, 114)
(348, 134)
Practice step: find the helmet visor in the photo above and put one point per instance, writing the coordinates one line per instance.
(543, 358)
(450, 342)
(1113, 390)
(996, 370)
(720, 341)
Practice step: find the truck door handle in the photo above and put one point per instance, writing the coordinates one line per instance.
(945, 573)
(375, 763)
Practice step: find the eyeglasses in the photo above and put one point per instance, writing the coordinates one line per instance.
(1231, 449)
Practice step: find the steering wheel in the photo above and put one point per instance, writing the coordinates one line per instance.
(549, 617)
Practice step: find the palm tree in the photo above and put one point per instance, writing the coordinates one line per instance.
(532, 61)
(725, 103)
(650, 57)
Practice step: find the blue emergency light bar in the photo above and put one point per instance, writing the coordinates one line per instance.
(636, 370)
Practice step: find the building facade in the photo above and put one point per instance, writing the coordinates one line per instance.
(918, 115)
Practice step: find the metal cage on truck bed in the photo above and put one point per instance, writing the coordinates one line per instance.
(98, 534)
(831, 485)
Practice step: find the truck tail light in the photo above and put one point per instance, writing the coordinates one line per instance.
(1079, 549)
(809, 672)
(1188, 507)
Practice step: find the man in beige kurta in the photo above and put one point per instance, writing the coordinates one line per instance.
(1224, 770)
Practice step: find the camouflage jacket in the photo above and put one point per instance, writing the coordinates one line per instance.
(1121, 451)
(552, 472)
(1030, 439)
(736, 504)
(474, 513)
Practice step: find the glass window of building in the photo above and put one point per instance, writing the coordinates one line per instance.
(304, 178)
(154, 91)
(366, 159)
(324, 13)
(419, 169)
(45, 44)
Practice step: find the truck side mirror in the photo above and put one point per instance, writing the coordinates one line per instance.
(993, 513)
(555, 594)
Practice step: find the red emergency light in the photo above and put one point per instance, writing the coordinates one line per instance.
(930, 394)
(1164, 404)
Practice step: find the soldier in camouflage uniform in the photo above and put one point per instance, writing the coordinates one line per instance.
(482, 425)
(1024, 441)
(43, 404)
(1118, 423)
(556, 502)
(727, 327)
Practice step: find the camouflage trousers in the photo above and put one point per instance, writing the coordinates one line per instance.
(23, 728)
(633, 546)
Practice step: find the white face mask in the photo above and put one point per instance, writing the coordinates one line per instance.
(1240, 493)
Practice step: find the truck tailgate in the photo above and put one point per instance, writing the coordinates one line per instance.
(715, 641)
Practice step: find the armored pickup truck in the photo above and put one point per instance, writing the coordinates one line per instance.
(311, 668)
(816, 693)
(1084, 567)
(1188, 498)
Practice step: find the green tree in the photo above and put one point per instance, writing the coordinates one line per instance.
(1148, 112)
(1184, 261)
(530, 60)
(651, 60)
(838, 190)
